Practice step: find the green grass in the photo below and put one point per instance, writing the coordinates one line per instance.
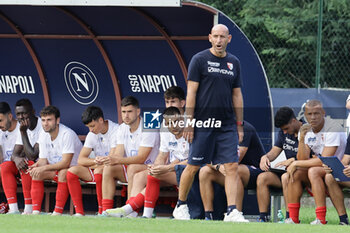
(62, 224)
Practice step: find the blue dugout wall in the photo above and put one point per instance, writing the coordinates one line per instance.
(75, 56)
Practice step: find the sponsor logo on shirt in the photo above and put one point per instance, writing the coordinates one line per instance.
(173, 144)
(310, 140)
(151, 83)
(220, 71)
(215, 64)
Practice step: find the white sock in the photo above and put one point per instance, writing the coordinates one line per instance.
(133, 214)
(13, 207)
(148, 212)
(28, 208)
(128, 209)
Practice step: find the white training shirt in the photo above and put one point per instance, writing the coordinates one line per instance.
(33, 135)
(67, 141)
(102, 143)
(132, 141)
(177, 148)
(332, 134)
(8, 141)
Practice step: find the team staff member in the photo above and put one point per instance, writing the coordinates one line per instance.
(25, 153)
(101, 139)
(321, 137)
(213, 80)
(59, 147)
(250, 152)
(287, 141)
(335, 188)
(135, 148)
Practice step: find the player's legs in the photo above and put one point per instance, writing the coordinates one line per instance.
(27, 187)
(208, 175)
(337, 196)
(74, 175)
(110, 174)
(316, 177)
(295, 191)
(285, 180)
(242, 181)
(62, 191)
(37, 191)
(231, 180)
(132, 170)
(153, 188)
(98, 179)
(139, 182)
(9, 184)
(263, 183)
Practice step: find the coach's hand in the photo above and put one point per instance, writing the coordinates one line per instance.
(327, 169)
(347, 171)
(188, 134)
(264, 163)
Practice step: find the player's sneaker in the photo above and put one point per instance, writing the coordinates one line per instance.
(36, 212)
(182, 212)
(78, 215)
(13, 212)
(133, 214)
(317, 222)
(117, 212)
(235, 216)
(55, 213)
(343, 223)
(27, 213)
(289, 221)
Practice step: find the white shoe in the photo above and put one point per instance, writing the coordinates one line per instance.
(26, 213)
(55, 214)
(289, 221)
(117, 212)
(235, 216)
(13, 212)
(181, 212)
(36, 212)
(78, 215)
(133, 214)
(316, 222)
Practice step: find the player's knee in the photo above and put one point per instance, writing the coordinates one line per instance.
(62, 175)
(73, 170)
(262, 180)
(329, 179)
(313, 173)
(205, 173)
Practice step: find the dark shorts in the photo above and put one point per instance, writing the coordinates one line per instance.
(254, 172)
(214, 146)
(278, 172)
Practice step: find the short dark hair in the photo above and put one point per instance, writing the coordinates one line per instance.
(130, 100)
(25, 102)
(50, 110)
(171, 111)
(174, 92)
(92, 113)
(4, 108)
(283, 116)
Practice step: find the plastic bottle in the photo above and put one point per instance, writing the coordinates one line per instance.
(280, 216)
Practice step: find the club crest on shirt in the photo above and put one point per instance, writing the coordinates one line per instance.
(230, 65)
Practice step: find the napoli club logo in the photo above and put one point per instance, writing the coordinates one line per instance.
(230, 65)
(81, 82)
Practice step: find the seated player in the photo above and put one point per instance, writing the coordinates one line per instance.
(101, 140)
(25, 153)
(250, 152)
(335, 188)
(135, 148)
(173, 150)
(321, 137)
(287, 141)
(59, 147)
(9, 129)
